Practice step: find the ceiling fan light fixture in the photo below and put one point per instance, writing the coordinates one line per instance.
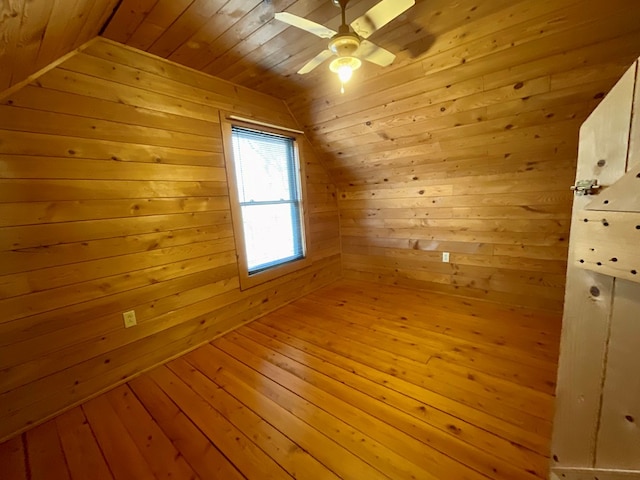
(350, 42)
(344, 68)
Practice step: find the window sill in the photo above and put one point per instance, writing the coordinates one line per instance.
(249, 281)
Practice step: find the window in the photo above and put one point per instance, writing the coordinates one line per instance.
(267, 207)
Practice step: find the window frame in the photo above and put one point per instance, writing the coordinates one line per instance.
(251, 280)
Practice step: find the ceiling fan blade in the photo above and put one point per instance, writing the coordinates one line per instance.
(372, 53)
(379, 15)
(317, 60)
(304, 24)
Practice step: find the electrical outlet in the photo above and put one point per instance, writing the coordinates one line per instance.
(129, 319)
(445, 257)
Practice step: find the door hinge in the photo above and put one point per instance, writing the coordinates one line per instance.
(585, 187)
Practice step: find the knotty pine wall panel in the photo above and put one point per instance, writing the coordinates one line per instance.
(113, 197)
(469, 146)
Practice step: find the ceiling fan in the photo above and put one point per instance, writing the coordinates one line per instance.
(349, 43)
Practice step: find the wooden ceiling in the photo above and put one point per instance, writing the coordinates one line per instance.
(240, 41)
(34, 33)
(471, 45)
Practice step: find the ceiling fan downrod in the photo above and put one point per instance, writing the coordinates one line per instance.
(344, 45)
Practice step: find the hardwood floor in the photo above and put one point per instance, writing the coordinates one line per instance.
(354, 381)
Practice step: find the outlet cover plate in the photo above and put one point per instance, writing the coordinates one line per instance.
(129, 319)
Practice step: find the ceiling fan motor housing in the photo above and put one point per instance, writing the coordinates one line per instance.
(345, 43)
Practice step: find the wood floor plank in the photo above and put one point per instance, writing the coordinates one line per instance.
(81, 449)
(485, 319)
(328, 451)
(295, 460)
(420, 351)
(445, 443)
(453, 324)
(196, 448)
(501, 361)
(349, 382)
(165, 460)
(388, 463)
(468, 319)
(353, 375)
(404, 457)
(440, 402)
(408, 370)
(475, 381)
(122, 454)
(46, 458)
(399, 320)
(12, 459)
(538, 379)
(347, 340)
(404, 337)
(474, 338)
(472, 308)
(252, 462)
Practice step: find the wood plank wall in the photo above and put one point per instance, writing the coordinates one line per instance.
(470, 146)
(113, 197)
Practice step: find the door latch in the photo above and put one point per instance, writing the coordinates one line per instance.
(586, 187)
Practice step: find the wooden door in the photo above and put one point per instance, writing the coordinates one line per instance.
(597, 421)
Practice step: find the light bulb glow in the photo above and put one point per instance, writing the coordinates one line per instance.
(345, 72)
(344, 68)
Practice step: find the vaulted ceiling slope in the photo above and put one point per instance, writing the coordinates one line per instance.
(466, 144)
(34, 33)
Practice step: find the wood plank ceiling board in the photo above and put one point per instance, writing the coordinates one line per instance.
(33, 33)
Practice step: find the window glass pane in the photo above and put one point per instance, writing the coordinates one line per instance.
(271, 235)
(264, 166)
(268, 190)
